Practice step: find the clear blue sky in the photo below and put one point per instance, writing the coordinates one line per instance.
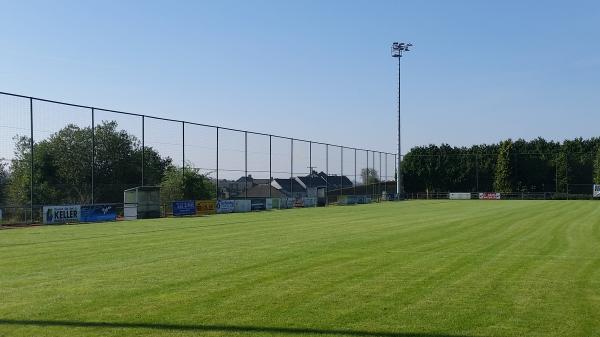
(480, 71)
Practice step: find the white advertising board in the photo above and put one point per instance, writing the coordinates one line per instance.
(268, 203)
(242, 206)
(460, 196)
(61, 214)
(596, 192)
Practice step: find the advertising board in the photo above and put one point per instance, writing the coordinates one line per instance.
(205, 207)
(596, 192)
(460, 196)
(184, 207)
(310, 202)
(258, 204)
(96, 213)
(61, 214)
(489, 196)
(225, 206)
(242, 206)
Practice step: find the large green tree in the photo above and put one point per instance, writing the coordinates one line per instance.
(502, 178)
(369, 176)
(62, 170)
(188, 184)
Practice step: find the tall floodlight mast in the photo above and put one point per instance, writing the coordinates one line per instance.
(397, 50)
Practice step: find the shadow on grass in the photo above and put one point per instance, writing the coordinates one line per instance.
(217, 328)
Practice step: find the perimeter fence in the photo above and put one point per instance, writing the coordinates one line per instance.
(57, 153)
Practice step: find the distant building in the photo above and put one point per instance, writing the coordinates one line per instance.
(335, 182)
(313, 185)
(264, 191)
(289, 187)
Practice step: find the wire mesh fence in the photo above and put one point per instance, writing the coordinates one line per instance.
(56, 153)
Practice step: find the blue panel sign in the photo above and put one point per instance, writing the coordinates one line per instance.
(258, 204)
(95, 213)
(225, 206)
(184, 207)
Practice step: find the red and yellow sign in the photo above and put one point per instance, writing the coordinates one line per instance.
(204, 207)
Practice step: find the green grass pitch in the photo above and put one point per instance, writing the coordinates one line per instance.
(416, 268)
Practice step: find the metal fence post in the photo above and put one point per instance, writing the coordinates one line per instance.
(292, 167)
(396, 172)
(373, 186)
(386, 172)
(326, 174)
(31, 163)
(217, 173)
(245, 164)
(379, 184)
(143, 148)
(341, 170)
(368, 175)
(93, 152)
(183, 150)
(270, 165)
(310, 168)
(355, 176)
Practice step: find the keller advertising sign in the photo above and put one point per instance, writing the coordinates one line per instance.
(96, 213)
(489, 196)
(61, 214)
(184, 207)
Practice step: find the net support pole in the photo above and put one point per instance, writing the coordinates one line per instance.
(270, 164)
(183, 151)
(326, 174)
(341, 170)
(355, 176)
(143, 148)
(217, 165)
(292, 166)
(93, 152)
(245, 164)
(31, 159)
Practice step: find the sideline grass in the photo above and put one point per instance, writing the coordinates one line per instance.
(419, 268)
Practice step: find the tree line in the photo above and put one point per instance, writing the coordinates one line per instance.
(509, 166)
(65, 164)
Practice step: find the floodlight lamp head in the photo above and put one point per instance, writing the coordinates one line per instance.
(399, 48)
(396, 50)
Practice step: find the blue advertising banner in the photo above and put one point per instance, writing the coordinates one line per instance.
(225, 206)
(184, 207)
(95, 213)
(258, 204)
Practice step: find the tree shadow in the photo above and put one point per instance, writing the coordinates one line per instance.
(218, 328)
